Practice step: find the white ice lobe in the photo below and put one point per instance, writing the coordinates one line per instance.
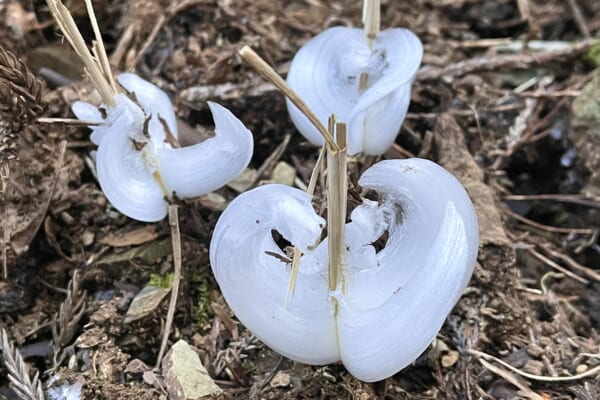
(326, 72)
(138, 167)
(394, 301)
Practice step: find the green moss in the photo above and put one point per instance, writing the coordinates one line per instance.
(163, 282)
(593, 55)
(202, 312)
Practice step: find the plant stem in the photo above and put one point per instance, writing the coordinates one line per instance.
(371, 24)
(337, 184)
(296, 258)
(93, 66)
(293, 275)
(176, 243)
(312, 183)
(371, 20)
(264, 69)
(98, 47)
(337, 189)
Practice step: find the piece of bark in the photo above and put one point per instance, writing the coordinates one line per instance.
(496, 274)
(492, 310)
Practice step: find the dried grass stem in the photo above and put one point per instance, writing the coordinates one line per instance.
(264, 69)
(337, 189)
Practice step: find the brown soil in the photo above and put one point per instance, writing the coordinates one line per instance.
(503, 123)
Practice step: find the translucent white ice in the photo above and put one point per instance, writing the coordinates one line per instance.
(326, 71)
(138, 168)
(395, 300)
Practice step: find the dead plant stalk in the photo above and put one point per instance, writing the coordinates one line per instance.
(96, 61)
(337, 188)
(337, 183)
(312, 183)
(176, 243)
(371, 19)
(265, 70)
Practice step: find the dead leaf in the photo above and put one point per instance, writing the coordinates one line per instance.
(145, 303)
(134, 237)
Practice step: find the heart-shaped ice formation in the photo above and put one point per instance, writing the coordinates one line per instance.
(326, 74)
(393, 302)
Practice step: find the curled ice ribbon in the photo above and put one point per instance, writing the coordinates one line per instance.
(326, 74)
(392, 302)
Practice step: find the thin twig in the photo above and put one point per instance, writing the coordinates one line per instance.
(590, 272)
(524, 10)
(510, 378)
(158, 25)
(556, 266)
(546, 248)
(481, 43)
(173, 10)
(579, 20)
(496, 63)
(548, 228)
(65, 121)
(272, 159)
(466, 112)
(541, 378)
(18, 372)
(176, 243)
(271, 374)
(566, 198)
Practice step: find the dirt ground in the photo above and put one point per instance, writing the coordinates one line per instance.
(512, 113)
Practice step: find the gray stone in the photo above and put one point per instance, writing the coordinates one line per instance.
(185, 376)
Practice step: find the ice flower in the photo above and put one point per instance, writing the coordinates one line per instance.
(367, 85)
(139, 162)
(392, 302)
